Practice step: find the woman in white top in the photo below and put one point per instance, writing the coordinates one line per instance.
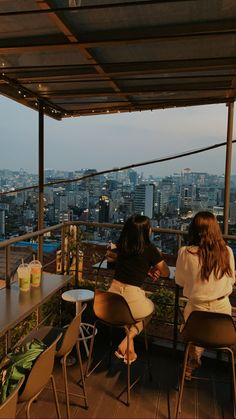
(206, 271)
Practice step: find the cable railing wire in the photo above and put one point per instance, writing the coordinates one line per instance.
(118, 169)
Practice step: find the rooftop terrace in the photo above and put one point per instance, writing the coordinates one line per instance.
(69, 58)
(154, 399)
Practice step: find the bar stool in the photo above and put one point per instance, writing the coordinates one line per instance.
(209, 331)
(112, 310)
(80, 296)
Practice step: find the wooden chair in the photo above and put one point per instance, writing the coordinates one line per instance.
(210, 331)
(112, 310)
(8, 408)
(69, 339)
(38, 378)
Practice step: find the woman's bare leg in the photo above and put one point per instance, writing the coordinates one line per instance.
(123, 345)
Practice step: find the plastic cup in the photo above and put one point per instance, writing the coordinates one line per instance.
(36, 273)
(23, 272)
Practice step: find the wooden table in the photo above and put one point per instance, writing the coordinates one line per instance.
(16, 305)
(105, 265)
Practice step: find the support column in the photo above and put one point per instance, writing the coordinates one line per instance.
(41, 180)
(228, 164)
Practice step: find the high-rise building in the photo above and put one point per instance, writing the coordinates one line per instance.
(133, 177)
(188, 195)
(144, 199)
(232, 212)
(61, 201)
(104, 206)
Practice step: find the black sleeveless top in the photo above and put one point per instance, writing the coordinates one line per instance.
(133, 269)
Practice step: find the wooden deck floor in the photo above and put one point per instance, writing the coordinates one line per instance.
(203, 399)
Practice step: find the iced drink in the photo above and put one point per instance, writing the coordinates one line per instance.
(23, 273)
(36, 272)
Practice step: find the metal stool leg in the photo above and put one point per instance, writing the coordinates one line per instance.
(55, 397)
(178, 407)
(87, 372)
(147, 352)
(84, 340)
(231, 353)
(82, 375)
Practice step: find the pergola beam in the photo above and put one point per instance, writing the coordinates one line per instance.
(90, 7)
(65, 28)
(135, 36)
(188, 87)
(144, 106)
(119, 69)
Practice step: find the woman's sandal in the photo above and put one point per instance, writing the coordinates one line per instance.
(188, 373)
(191, 366)
(132, 358)
(119, 354)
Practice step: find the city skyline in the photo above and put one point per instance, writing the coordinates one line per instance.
(104, 142)
(167, 201)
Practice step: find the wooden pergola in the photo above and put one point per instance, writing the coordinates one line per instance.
(68, 58)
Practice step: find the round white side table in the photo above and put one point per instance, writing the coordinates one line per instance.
(80, 296)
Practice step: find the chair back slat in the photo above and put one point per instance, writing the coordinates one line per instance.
(8, 408)
(112, 308)
(71, 335)
(40, 372)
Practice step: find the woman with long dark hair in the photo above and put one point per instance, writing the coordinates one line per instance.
(136, 257)
(206, 271)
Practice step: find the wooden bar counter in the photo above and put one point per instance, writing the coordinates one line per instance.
(16, 305)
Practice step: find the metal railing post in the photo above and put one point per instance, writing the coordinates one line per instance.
(41, 180)
(7, 267)
(176, 307)
(77, 259)
(40, 249)
(176, 317)
(228, 165)
(63, 235)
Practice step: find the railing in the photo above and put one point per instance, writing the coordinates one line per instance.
(68, 231)
(64, 229)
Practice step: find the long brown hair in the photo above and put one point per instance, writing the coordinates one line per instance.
(134, 236)
(204, 232)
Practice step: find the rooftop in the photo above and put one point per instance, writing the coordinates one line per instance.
(149, 399)
(99, 56)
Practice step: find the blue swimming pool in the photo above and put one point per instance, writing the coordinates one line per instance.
(47, 247)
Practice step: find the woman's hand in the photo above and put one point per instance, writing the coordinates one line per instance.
(160, 269)
(111, 256)
(154, 273)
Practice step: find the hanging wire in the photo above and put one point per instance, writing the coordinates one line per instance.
(118, 169)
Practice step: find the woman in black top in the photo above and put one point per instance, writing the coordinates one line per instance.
(135, 258)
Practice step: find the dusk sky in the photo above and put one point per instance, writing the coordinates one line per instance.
(104, 142)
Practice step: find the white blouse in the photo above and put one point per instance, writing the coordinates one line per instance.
(187, 275)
